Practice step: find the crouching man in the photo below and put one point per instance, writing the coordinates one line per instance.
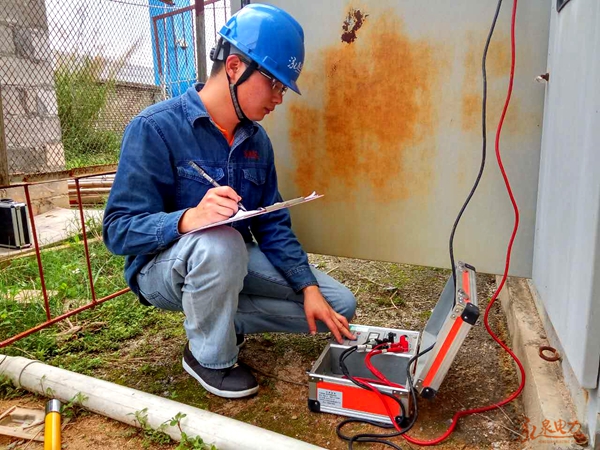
(250, 277)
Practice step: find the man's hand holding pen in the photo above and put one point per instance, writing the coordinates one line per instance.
(208, 178)
(218, 204)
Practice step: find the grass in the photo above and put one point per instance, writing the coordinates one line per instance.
(8, 390)
(81, 342)
(153, 437)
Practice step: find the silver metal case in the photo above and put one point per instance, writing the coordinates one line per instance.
(330, 391)
(447, 327)
(14, 224)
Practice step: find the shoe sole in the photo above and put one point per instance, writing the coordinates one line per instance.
(214, 390)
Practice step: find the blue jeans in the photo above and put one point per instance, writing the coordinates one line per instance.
(225, 286)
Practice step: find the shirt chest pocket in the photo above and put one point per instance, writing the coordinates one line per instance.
(192, 187)
(253, 184)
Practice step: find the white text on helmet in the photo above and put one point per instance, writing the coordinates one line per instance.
(295, 64)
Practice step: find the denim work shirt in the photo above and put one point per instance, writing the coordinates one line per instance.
(154, 186)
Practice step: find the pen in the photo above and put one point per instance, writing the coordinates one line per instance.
(208, 178)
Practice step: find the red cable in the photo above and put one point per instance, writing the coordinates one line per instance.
(379, 395)
(514, 395)
(376, 351)
(381, 378)
(373, 381)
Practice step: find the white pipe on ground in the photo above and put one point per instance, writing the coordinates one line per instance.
(121, 403)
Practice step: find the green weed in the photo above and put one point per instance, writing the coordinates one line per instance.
(160, 437)
(151, 435)
(8, 390)
(189, 442)
(74, 407)
(81, 98)
(83, 88)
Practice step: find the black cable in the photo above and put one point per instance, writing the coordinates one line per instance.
(346, 372)
(378, 437)
(409, 381)
(373, 438)
(483, 152)
(369, 422)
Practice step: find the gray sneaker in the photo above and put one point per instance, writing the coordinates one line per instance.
(232, 382)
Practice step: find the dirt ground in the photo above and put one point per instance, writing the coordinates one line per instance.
(390, 295)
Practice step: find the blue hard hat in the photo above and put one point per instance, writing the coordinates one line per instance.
(270, 37)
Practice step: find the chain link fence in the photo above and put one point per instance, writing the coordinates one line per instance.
(73, 73)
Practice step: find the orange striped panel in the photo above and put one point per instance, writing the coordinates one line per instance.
(360, 399)
(466, 285)
(443, 351)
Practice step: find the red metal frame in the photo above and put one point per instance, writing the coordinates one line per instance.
(58, 176)
(26, 181)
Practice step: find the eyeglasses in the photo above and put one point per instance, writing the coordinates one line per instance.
(276, 85)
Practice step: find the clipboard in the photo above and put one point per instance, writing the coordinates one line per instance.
(241, 215)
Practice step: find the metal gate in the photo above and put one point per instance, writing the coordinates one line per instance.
(175, 48)
(39, 111)
(76, 175)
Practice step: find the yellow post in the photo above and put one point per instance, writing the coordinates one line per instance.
(52, 426)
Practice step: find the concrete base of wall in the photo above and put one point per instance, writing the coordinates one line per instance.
(584, 400)
(44, 196)
(545, 397)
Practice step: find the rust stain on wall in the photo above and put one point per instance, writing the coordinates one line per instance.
(498, 61)
(376, 128)
(471, 111)
(352, 24)
(498, 70)
(305, 136)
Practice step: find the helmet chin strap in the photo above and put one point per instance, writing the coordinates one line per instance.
(233, 90)
(220, 53)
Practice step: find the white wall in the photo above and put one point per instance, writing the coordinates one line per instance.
(566, 264)
(388, 128)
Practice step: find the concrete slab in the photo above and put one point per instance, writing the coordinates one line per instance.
(547, 403)
(54, 226)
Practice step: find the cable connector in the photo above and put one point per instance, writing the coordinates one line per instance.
(376, 342)
(401, 346)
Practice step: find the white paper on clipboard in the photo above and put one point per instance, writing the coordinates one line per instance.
(241, 215)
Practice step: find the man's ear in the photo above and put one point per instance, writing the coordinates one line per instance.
(233, 66)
